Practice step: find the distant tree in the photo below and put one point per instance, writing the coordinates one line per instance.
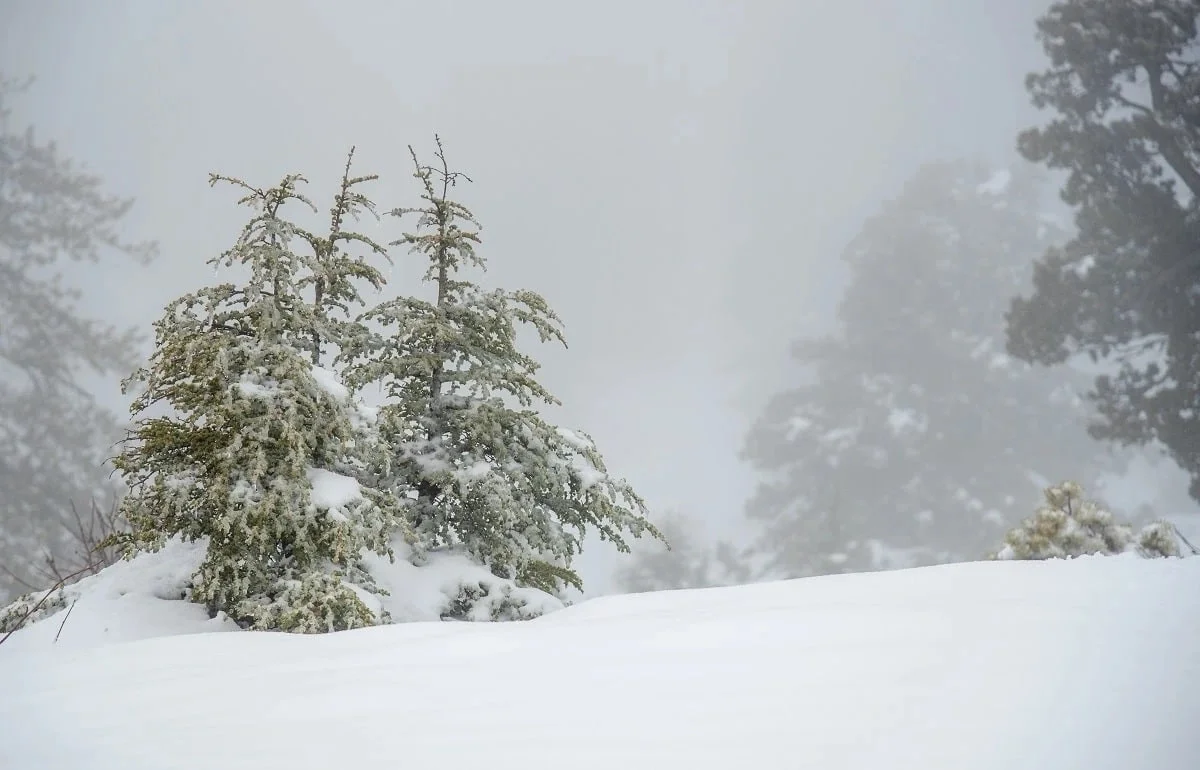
(54, 436)
(915, 439)
(1124, 86)
(256, 426)
(490, 475)
(683, 560)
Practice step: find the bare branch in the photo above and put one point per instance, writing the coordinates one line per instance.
(56, 587)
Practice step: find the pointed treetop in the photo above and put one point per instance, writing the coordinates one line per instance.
(447, 245)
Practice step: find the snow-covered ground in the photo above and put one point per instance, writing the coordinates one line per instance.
(1086, 664)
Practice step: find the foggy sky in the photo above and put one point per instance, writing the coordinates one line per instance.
(677, 177)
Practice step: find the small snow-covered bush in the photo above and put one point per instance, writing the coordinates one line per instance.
(1158, 538)
(484, 601)
(1067, 525)
(317, 603)
(423, 585)
(31, 608)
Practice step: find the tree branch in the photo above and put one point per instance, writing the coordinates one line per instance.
(29, 613)
(1167, 145)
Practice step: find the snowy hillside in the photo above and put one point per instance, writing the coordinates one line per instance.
(1084, 664)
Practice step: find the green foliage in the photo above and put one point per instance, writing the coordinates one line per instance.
(1067, 525)
(237, 422)
(1123, 89)
(315, 604)
(488, 472)
(333, 273)
(251, 420)
(547, 577)
(54, 217)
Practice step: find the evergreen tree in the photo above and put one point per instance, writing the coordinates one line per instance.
(915, 439)
(256, 424)
(54, 436)
(1124, 86)
(682, 561)
(489, 474)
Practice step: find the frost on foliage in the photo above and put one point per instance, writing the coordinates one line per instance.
(1067, 525)
(447, 583)
(252, 419)
(316, 603)
(30, 608)
(1158, 538)
(490, 600)
(488, 473)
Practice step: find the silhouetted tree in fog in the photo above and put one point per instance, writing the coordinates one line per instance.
(916, 439)
(683, 561)
(1124, 84)
(53, 435)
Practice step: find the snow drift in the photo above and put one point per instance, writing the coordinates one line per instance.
(1086, 663)
(143, 598)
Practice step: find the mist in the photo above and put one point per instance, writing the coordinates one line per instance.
(678, 178)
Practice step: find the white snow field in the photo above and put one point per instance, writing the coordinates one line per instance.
(1088, 664)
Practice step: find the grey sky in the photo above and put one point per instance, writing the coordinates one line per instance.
(676, 176)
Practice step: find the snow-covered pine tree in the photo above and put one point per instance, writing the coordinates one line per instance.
(490, 475)
(256, 424)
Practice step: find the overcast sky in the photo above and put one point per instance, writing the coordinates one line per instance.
(677, 177)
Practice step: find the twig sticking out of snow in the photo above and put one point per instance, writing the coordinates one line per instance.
(61, 625)
(56, 587)
(1195, 551)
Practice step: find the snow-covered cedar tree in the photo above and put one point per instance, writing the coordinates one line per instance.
(54, 436)
(910, 435)
(684, 560)
(1067, 525)
(489, 475)
(263, 450)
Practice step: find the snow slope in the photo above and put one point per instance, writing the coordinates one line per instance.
(1084, 664)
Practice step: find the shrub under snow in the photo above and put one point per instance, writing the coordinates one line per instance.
(148, 596)
(1067, 525)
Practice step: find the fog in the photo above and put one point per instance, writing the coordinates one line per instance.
(678, 178)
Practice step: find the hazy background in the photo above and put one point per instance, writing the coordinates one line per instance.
(677, 177)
